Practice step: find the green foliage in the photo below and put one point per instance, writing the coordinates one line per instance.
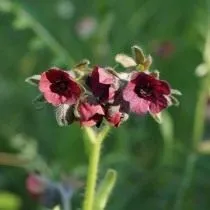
(9, 201)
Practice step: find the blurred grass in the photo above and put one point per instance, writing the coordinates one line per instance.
(35, 35)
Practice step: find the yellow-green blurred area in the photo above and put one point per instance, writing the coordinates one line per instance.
(150, 158)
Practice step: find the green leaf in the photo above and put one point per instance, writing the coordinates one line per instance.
(38, 101)
(33, 80)
(176, 92)
(166, 127)
(167, 131)
(174, 101)
(157, 117)
(105, 188)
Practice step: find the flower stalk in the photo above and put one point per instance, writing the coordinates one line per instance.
(95, 141)
(94, 156)
(92, 176)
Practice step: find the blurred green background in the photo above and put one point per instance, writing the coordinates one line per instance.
(152, 160)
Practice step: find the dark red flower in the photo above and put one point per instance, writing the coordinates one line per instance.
(115, 116)
(59, 87)
(146, 93)
(103, 84)
(90, 112)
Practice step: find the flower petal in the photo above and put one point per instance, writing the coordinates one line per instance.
(104, 77)
(44, 84)
(55, 74)
(103, 84)
(53, 98)
(159, 105)
(162, 87)
(137, 104)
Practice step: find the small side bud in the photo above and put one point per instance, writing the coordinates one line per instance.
(138, 55)
(143, 62)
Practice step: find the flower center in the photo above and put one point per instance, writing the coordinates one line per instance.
(144, 91)
(59, 86)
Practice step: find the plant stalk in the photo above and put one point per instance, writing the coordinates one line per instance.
(92, 175)
(196, 138)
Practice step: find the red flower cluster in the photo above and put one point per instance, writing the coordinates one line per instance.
(101, 93)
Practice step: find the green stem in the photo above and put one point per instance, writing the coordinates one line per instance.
(199, 122)
(196, 138)
(95, 143)
(92, 175)
(186, 180)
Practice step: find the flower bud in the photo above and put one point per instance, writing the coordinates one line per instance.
(90, 112)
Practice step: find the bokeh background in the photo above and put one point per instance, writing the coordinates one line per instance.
(157, 164)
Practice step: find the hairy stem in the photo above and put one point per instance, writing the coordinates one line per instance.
(92, 175)
(95, 143)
